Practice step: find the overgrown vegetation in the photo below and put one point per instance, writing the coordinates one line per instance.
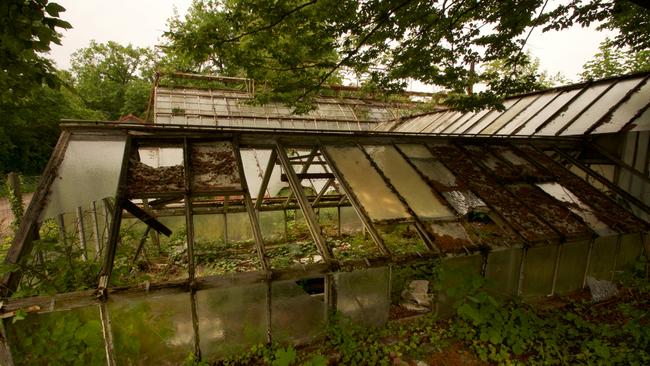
(561, 330)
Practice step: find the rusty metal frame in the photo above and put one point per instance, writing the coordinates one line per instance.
(303, 202)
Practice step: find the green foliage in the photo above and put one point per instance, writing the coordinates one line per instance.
(613, 61)
(113, 78)
(292, 48)
(27, 29)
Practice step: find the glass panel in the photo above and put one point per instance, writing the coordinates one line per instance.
(601, 107)
(453, 125)
(451, 237)
(577, 207)
(573, 109)
(166, 174)
(458, 128)
(363, 295)
(464, 202)
(434, 170)
(641, 123)
(439, 126)
(153, 330)
(60, 338)
(417, 124)
(527, 113)
(491, 117)
(433, 120)
(601, 263)
(538, 271)
(367, 185)
(287, 297)
(89, 172)
(231, 319)
(503, 271)
(631, 248)
(408, 183)
(415, 151)
(571, 270)
(455, 271)
(214, 166)
(546, 112)
(508, 115)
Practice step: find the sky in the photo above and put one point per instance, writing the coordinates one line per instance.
(142, 22)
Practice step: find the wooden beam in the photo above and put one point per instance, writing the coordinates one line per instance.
(307, 210)
(189, 218)
(252, 215)
(302, 176)
(265, 180)
(147, 218)
(22, 244)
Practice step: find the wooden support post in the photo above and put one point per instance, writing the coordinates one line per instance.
(116, 222)
(107, 331)
(98, 245)
(154, 235)
(265, 180)
(225, 219)
(189, 217)
(5, 350)
(589, 251)
(522, 266)
(82, 234)
(143, 239)
(619, 239)
(304, 170)
(60, 223)
(195, 325)
(338, 221)
(22, 244)
(307, 210)
(286, 225)
(269, 313)
(13, 183)
(367, 223)
(252, 215)
(108, 213)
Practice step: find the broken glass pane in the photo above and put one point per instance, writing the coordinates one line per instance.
(288, 324)
(363, 295)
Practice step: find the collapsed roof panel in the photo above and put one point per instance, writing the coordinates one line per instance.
(603, 106)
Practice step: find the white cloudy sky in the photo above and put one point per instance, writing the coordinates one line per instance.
(142, 22)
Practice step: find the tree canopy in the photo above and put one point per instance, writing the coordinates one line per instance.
(27, 28)
(294, 47)
(611, 61)
(113, 78)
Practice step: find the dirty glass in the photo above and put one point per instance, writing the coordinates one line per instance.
(214, 166)
(601, 107)
(642, 122)
(488, 119)
(452, 125)
(364, 295)
(443, 123)
(89, 172)
(431, 168)
(165, 173)
(464, 202)
(289, 324)
(350, 221)
(432, 120)
(503, 271)
(526, 114)
(576, 206)
(59, 338)
(232, 319)
(367, 185)
(571, 269)
(458, 128)
(450, 237)
(572, 110)
(152, 330)
(546, 112)
(603, 254)
(539, 267)
(631, 248)
(508, 115)
(408, 183)
(417, 124)
(455, 272)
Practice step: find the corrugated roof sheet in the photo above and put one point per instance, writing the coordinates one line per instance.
(603, 106)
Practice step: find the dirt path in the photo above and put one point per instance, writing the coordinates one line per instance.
(6, 216)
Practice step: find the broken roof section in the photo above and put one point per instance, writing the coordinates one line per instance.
(446, 195)
(603, 106)
(215, 106)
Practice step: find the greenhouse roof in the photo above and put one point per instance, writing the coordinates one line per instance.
(595, 107)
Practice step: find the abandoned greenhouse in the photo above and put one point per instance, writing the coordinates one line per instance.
(203, 231)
